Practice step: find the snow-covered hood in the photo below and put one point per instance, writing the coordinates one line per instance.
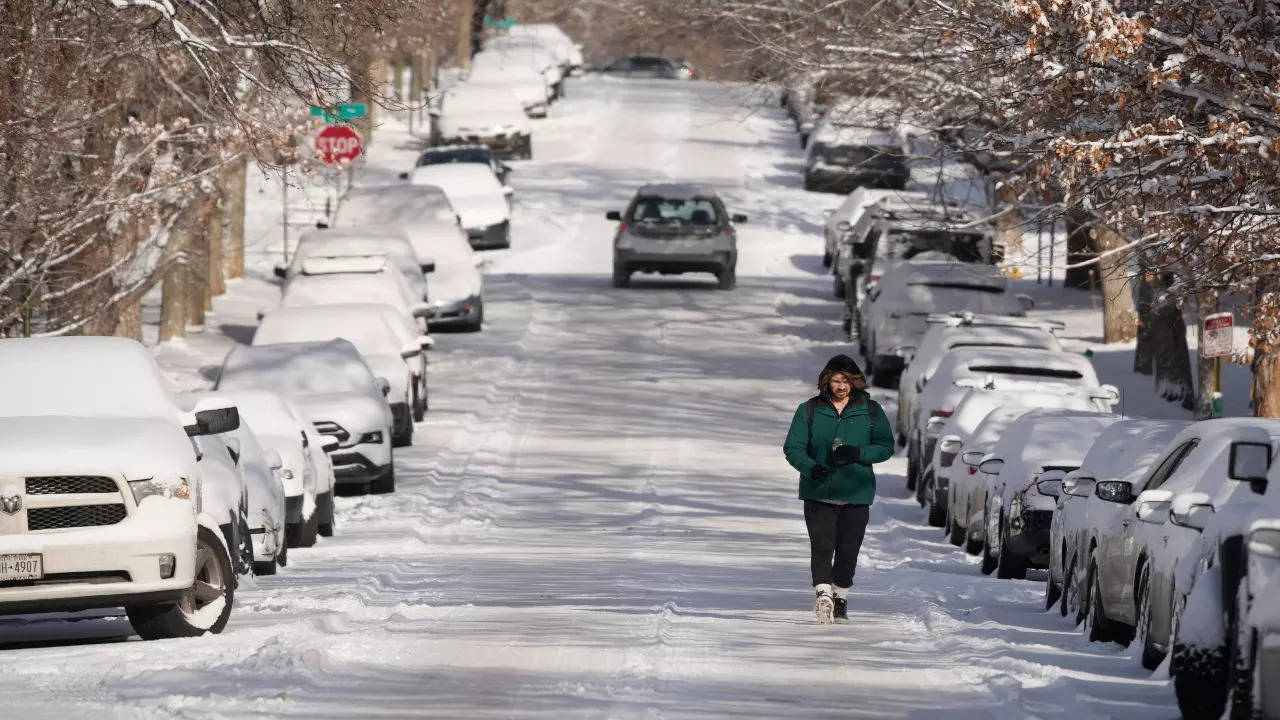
(481, 209)
(483, 123)
(357, 413)
(454, 281)
(60, 445)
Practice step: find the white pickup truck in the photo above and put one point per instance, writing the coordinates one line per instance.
(100, 488)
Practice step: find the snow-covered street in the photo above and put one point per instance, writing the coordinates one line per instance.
(596, 519)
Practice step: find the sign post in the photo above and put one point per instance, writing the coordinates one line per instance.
(1215, 342)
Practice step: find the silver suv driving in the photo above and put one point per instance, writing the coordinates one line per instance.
(675, 228)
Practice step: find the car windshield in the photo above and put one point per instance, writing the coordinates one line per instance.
(856, 154)
(658, 211)
(953, 296)
(1057, 373)
(460, 155)
(906, 244)
(294, 370)
(367, 331)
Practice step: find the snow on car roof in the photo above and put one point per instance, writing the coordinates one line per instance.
(993, 426)
(978, 360)
(947, 337)
(398, 205)
(82, 376)
(297, 368)
(1040, 435)
(931, 271)
(268, 412)
(362, 231)
(458, 179)
(365, 325)
(977, 403)
(677, 191)
(339, 287)
(344, 264)
(1127, 448)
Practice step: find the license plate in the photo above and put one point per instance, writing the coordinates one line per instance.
(21, 567)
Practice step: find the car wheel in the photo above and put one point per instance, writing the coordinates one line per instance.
(203, 608)
(913, 472)
(310, 529)
(883, 377)
(324, 510)
(1099, 626)
(804, 142)
(1052, 592)
(955, 533)
(728, 278)
(826, 259)
(809, 185)
(1070, 595)
(1151, 655)
(937, 515)
(419, 404)
(1010, 565)
(384, 484)
(1244, 663)
(246, 546)
(621, 277)
(1199, 680)
(988, 562)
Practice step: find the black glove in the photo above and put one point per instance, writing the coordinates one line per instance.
(846, 454)
(820, 472)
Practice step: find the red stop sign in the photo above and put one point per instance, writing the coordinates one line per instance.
(337, 144)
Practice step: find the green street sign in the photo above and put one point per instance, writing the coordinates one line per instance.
(346, 111)
(500, 23)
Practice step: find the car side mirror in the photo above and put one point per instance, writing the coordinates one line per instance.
(403, 176)
(212, 421)
(1249, 461)
(274, 461)
(508, 191)
(329, 443)
(739, 218)
(420, 309)
(427, 267)
(973, 457)
(828, 212)
(280, 271)
(1049, 483)
(1191, 510)
(1078, 486)
(384, 387)
(844, 226)
(1116, 491)
(613, 215)
(1153, 506)
(411, 350)
(426, 342)
(992, 466)
(1026, 301)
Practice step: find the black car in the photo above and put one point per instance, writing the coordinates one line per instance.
(479, 154)
(841, 162)
(647, 66)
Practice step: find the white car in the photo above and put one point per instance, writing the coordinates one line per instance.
(370, 240)
(376, 332)
(99, 497)
(1124, 451)
(335, 388)
(482, 203)
(947, 482)
(975, 366)
(557, 41)
(503, 51)
(225, 497)
(306, 472)
(266, 510)
(1019, 508)
(325, 280)
(435, 231)
(496, 71)
(485, 115)
(894, 314)
(838, 221)
(948, 332)
(967, 496)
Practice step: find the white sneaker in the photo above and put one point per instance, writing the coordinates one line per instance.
(824, 607)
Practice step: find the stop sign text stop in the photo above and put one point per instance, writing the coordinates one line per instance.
(338, 144)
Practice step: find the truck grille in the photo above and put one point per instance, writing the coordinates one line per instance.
(70, 485)
(74, 516)
(324, 427)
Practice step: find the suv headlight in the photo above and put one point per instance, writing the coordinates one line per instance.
(169, 488)
(373, 437)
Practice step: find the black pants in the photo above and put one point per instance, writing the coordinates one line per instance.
(835, 530)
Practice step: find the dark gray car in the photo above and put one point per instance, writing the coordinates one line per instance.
(675, 228)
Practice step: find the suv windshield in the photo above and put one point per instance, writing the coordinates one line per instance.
(906, 244)
(848, 155)
(662, 211)
(460, 155)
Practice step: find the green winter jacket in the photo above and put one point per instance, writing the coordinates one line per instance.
(854, 483)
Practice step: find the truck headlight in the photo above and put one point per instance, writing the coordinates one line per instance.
(373, 437)
(169, 488)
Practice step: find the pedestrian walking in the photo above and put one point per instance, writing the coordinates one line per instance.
(834, 439)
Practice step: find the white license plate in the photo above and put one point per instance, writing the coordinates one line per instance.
(21, 567)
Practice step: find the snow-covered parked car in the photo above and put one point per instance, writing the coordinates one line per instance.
(379, 333)
(839, 221)
(974, 366)
(435, 231)
(1020, 507)
(99, 501)
(495, 72)
(554, 39)
(945, 475)
(225, 497)
(485, 115)
(855, 145)
(482, 202)
(1124, 451)
(326, 280)
(894, 313)
(266, 511)
(967, 491)
(391, 242)
(306, 472)
(947, 332)
(335, 388)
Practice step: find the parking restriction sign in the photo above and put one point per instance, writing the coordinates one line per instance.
(1217, 336)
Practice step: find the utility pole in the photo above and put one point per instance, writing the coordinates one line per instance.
(465, 10)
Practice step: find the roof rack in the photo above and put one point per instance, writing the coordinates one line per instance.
(337, 264)
(964, 318)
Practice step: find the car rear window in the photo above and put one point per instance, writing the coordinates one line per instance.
(677, 211)
(1028, 371)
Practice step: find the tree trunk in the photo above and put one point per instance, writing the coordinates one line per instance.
(129, 318)
(465, 9)
(1172, 357)
(1078, 252)
(197, 249)
(1206, 305)
(173, 301)
(1142, 355)
(233, 219)
(1266, 381)
(364, 87)
(216, 283)
(1009, 224)
(1119, 320)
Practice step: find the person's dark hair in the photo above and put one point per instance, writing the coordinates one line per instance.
(841, 365)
